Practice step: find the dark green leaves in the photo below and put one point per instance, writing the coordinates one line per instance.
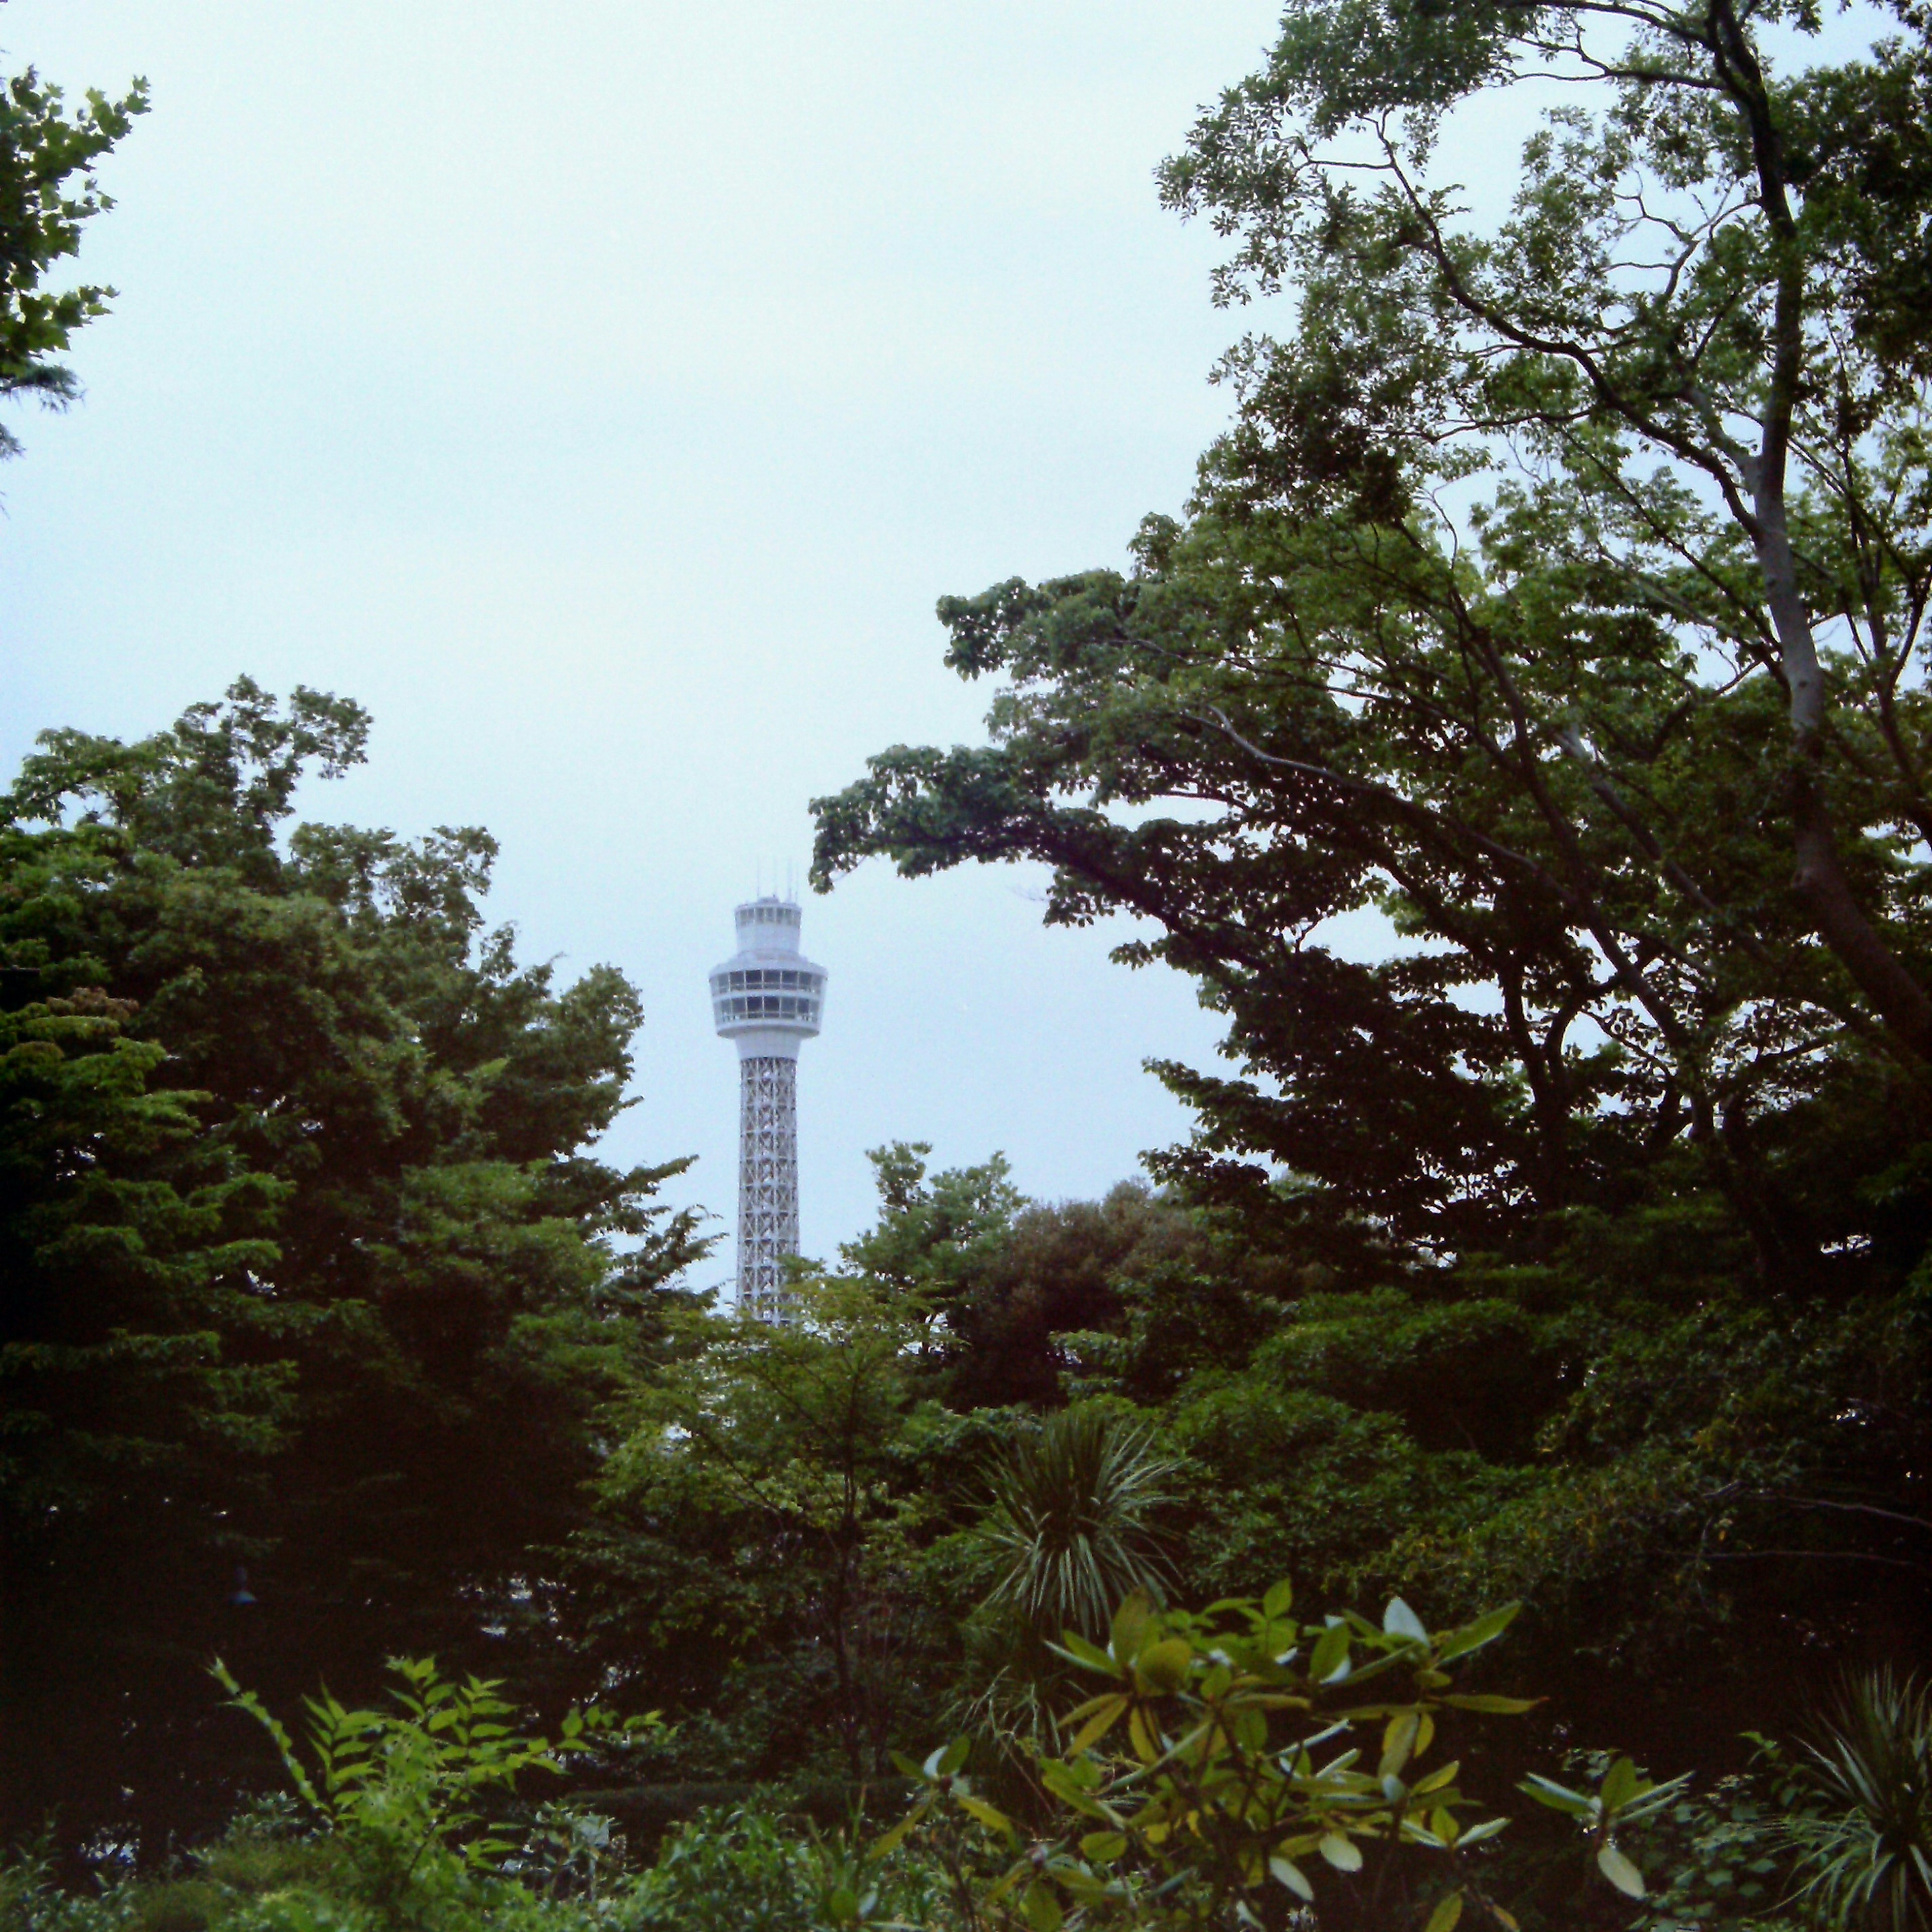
(307, 1267)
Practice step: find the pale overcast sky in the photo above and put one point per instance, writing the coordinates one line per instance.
(602, 394)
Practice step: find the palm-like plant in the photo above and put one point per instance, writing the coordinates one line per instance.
(1071, 1510)
(1867, 1860)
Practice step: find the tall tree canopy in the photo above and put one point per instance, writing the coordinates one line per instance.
(1557, 593)
(309, 1269)
(1559, 589)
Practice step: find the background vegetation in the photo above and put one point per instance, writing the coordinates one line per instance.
(1557, 593)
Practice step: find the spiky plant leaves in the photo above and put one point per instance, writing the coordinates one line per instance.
(1867, 1860)
(1072, 1512)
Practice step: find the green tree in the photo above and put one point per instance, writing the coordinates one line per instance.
(1612, 745)
(1701, 333)
(934, 1232)
(47, 191)
(1020, 1295)
(309, 1266)
(765, 1493)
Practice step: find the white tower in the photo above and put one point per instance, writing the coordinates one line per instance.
(768, 997)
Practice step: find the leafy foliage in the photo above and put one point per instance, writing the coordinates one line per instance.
(403, 1788)
(761, 1479)
(1865, 1855)
(307, 1266)
(746, 1868)
(1070, 1520)
(1716, 1856)
(1610, 756)
(1212, 1776)
(48, 190)
(1520, 740)
(1552, 609)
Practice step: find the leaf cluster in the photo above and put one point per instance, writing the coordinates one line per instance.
(1233, 1754)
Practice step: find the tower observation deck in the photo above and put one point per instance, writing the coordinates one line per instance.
(769, 998)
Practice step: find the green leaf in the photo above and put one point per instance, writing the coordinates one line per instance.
(1078, 1884)
(1279, 1601)
(1341, 1852)
(1061, 1781)
(1398, 1620)
(989, 1815)
(1130, 1626)
(1041, 1908)
(1471, 1636)
(1620, 1871)
(1558, 1797)
(1291, 1874)
(1106, 1714)
(1398, 1741)
(1447, 1913)
(1500, 1707)
(1102, 1848)
(1007, 1880)
(1161, 1668)
(1073, 1645)
(1619, 1786)
(1330, 1658)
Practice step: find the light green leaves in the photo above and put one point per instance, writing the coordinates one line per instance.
(1485, 1630)
(1620, 1871)
(1041, 1908)
(988, 1815)
(1399, 1740)
(1230, 1748)
(1160, 1669)
(1129, 1626)
(1099, 1716)
(1286, 1872)
(1398, 1620)
(1073, 1645)
(403, 1786)
(1558, 1797)
(1623, 1796)
(1343, 1853)
(1328, 1663)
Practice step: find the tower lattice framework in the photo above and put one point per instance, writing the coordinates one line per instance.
(768, 998)
(767, 1183)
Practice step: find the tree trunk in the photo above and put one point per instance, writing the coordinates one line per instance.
(1819, 875)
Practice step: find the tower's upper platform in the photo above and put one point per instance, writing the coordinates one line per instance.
(768, 996)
